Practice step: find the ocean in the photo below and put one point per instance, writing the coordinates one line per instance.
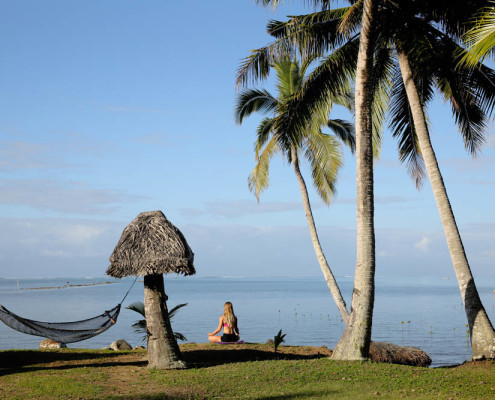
(421, 312)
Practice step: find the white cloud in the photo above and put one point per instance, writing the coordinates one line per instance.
(392, 199)
(240, 208)
(128, 109)
(69, 247)
(155, 139)
(28, 155)
(57, 150)
(64, 197)
(480, 165)
(490, 141)
(490, 253)
(78, 234)
(423, 244)
(56, 253)
(56, 247)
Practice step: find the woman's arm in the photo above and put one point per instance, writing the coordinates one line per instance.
(219, 328)
(236, 329)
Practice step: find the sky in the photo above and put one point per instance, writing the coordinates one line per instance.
(110, 108)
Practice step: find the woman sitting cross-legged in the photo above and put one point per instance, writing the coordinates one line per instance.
(229, 323)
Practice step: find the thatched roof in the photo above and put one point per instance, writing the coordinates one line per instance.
(150, 244)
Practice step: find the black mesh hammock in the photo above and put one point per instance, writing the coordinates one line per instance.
(64, 332)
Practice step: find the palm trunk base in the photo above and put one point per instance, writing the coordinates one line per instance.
(351, 346)
(483, 337)
(163, 350)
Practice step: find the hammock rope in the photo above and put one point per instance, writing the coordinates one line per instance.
(64, 332)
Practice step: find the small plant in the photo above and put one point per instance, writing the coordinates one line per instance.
(277, 339)
(140, 325)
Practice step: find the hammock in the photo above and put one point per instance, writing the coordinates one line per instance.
(64, 332)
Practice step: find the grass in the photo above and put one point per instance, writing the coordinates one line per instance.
(249, 371)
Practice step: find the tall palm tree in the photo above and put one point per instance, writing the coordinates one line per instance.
(481, 329)
(424, 36)
(322, 151)
(355, 341)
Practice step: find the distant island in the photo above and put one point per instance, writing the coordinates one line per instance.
(68, 285)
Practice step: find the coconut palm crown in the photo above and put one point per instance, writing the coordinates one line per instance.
(321, 150)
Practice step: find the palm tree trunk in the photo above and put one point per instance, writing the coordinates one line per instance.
(163, 350)
(325, 268)
(482, 333)
(355, 341)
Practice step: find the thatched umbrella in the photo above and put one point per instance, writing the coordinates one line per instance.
(151, 246)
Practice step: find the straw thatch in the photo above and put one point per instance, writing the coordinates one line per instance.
(151, 244)
(393, 354)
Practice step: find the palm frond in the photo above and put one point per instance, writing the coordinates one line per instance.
(140, 325)
(258, 179)
(173, 311)
(255, 67)
(402, 125)
(315, 97)
(383, 72)
(325, 4)
(351, 18)
(180, 336)
(289, 78)
(480, 40)
(470, 91)
(325, 156)
(312, 34)
(253, 100)
(344, 130)
(137, 307)
(263, 135)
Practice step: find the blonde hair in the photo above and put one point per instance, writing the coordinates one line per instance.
(228, 313)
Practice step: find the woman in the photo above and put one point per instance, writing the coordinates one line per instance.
(229, 323)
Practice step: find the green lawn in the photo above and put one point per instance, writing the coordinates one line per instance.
(249, 371)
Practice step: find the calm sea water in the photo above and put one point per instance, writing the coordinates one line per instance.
(425, 313)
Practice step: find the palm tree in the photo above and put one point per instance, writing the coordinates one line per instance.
(480, 39)
(481, 329)
(322, 151)
(423, 38)
(352, 59)
(356, 339)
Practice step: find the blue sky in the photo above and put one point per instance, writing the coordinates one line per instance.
(110, 108)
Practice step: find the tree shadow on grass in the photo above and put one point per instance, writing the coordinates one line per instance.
(17, 361)
(324, 394)
(209, 358)
(163, 396)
